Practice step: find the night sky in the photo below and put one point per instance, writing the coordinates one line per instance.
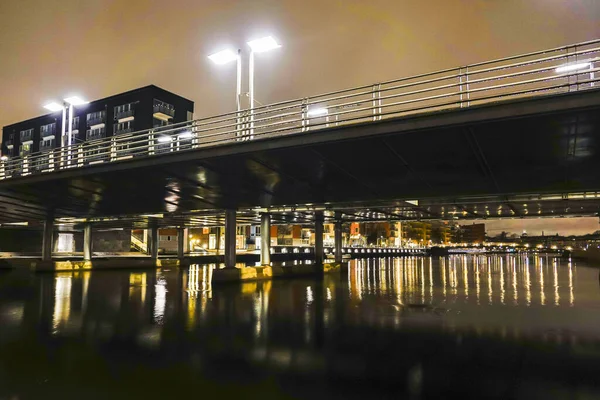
(97, 48)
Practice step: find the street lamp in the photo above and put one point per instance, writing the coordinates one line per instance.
(225, 56)
(68, 102)
(261, 45)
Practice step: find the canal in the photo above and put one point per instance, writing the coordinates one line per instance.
(501, 326)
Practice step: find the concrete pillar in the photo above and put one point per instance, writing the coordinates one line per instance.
(338, 240)
(153, 242)
(181, 237)
(186, 240)
(218, 239)
(47, 238)
(87, 241)
(265, 239)
(230, 239)
(319, 252)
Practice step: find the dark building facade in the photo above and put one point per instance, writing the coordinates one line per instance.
(471, 234)
(140, 109)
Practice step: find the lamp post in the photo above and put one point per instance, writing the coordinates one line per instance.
(225, 56)
(68, 103)
(261, 45)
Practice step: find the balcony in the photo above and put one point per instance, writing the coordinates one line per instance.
(95, 134)
(129, 114)
(96, 121)
(163, 112)
(26, 136)
(46, 145)
(49, 131)
(10, 143)
(123, 130)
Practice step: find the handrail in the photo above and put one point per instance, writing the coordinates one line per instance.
(520, 76)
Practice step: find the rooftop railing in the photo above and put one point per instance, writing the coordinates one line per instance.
(549, 72)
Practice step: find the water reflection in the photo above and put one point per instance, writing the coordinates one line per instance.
(413, 280)
(379, 314)
(62, 301)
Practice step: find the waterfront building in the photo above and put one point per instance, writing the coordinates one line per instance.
(140, 109)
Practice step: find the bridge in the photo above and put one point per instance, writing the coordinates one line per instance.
(515, 137)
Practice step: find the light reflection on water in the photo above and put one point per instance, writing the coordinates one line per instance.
(313, 324)
(472, 278)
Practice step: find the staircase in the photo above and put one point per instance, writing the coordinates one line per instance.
(138, 243)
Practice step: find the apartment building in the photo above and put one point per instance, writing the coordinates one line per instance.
(140, 109)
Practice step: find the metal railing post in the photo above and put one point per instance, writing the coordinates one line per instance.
(463, 87)
(113, 149)
(239, 125)
(51, 160)
(151, 143)
(572, 77)
(25, 165)
(304, 114)
(80, 155)
(376, 102)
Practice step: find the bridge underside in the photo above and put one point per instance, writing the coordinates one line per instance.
(531, 158)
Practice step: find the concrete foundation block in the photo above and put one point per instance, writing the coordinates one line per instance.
(242, 274)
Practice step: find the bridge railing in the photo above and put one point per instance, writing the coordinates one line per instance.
(560, 70)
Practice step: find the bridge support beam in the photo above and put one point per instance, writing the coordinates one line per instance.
(230, 231)
(319, 251)
(265, 239)
(153, 242)
(181, 238)
(338, 238)
(87, 241)
(47, 238)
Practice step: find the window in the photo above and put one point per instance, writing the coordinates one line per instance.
(124, 111)
(46, 144)
(74, 124)
(124, 108)
(65, 242)
(96, 118)
(48, 130)
(26, 135)
(158, 123)
(123, 127)
(257, 231)
(96, 133)
(25, 149)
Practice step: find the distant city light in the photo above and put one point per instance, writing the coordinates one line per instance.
(223, 57)
(573, 67)
(318, 112)
(53, 106)
(263, 44)
(75, 101)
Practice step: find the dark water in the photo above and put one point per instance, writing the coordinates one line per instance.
(465, 327)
